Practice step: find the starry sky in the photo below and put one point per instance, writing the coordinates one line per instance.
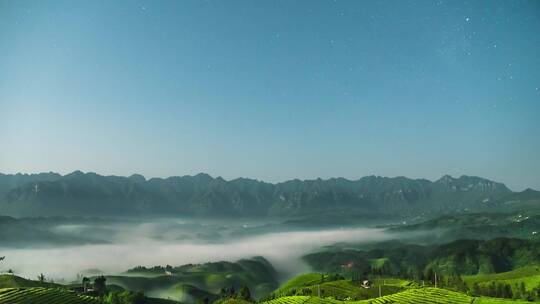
(272, 90)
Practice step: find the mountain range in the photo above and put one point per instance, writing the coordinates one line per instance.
(91, 194)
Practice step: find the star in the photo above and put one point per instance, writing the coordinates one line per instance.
(467, 19)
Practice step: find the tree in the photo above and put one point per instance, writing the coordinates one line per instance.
(85, 282)
(523, 290)
(306, 291)
(460, 284)
(500, 291)
(429, 274)
(41, 278)
(476, 289)
(244, 293)
(508, 291)
(99, 285)
(204, 301)
(124, 297)
(138, 298)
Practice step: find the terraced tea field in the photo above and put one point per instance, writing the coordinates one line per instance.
(423, 295)
(312, 285)
(303, 300)
(409, 296)
(43, 295)
(530, 276)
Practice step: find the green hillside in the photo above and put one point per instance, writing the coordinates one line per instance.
(200, 280)
(423, 295)
(43, 295)
(522, 281)
(183, 293)
(530, 275)
(232, 301)
(313, 284)
(299, 281)
(13, 281)
(463, 257)
(483, 226)
(487, 300)
(409, 296)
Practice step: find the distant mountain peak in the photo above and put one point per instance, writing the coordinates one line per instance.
(75, 173)
(445, 179)
(203, 175)
(137, 178)
(90, 193)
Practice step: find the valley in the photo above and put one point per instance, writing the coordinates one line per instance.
(481, 252)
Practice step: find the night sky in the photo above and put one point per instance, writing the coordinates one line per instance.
(272, 90)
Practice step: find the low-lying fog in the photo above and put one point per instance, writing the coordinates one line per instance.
(174, 242)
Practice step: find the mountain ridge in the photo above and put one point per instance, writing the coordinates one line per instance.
(80, 193)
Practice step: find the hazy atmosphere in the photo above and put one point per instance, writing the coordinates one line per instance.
(274, 90)
(120, 247)
(269, 151)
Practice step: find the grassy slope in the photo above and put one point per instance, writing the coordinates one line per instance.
(409, 296)
(476, 226)
(467, 257)
(8, 281)
(183, 293)
(486, 300)
(232, 301)
(42, 295)
(211, 282)
(339, 289)
(528, 275)
(345, 289)
(300, 281)
(204, 280)
(160, 301)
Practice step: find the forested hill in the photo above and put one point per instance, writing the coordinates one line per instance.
(81, 193)
(462, 257)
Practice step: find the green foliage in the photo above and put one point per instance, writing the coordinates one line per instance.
(464, 257)
(410, 296)
(523, 224)
(43, 295)
(521, 283)
(99, 285)
(9, 281)
(232, 301)
(124, 297)
(336, 287)
(244, 293)
(529, 275)
(192, 280)
(303, 280)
